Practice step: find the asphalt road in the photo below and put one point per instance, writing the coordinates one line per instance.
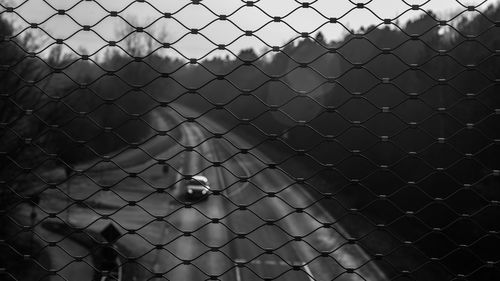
(259, 224)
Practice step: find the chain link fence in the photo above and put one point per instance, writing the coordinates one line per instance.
(195, 143)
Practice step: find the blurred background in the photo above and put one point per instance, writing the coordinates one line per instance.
(385, 109)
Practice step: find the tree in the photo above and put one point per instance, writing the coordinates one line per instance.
(26, 113)
(138, 41)
(320, 38)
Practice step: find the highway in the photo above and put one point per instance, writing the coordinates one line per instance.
(257, 225)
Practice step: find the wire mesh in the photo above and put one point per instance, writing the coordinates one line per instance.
(171, 149)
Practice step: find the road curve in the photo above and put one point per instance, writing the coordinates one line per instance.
(262, 225)
(257, 225)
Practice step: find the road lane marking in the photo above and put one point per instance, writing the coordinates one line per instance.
(238, 274)
(270, 262)
(308, 271)
(212, 152)
(352, 258)
(256, 262)
(247, 173)
(164, 229)
(237, 268)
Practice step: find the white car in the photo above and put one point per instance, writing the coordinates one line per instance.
(197, 187)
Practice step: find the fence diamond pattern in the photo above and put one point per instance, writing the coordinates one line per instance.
(372, 155)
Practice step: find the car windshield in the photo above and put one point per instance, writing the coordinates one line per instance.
(198, 181)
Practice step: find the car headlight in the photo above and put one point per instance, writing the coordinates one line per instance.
(190, 191)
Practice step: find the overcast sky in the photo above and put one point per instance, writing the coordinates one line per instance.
(187, 16)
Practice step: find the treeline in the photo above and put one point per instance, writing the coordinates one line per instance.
(411, 84)
(26, 110)
(424, 89)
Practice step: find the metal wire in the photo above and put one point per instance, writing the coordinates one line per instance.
(370, 157)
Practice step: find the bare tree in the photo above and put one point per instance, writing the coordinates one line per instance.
(138, 40)
(26, 114)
